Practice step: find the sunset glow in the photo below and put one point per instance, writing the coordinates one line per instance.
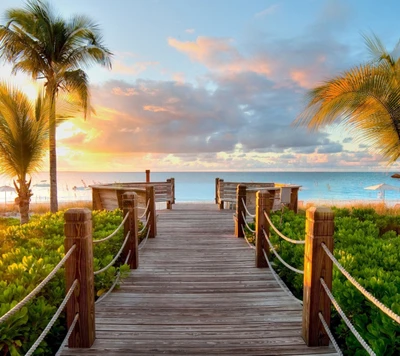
(215, 85)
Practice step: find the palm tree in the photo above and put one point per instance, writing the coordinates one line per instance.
(365, 99)
(40, 43)
(23, 140)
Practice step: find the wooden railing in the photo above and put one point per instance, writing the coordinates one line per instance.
(318, 266)
(225, 192)
(78, 232)
(79, 274)
(109, 196)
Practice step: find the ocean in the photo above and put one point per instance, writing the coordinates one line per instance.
(326, 187)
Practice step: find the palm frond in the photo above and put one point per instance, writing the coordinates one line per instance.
(364, 99)
(23, 135)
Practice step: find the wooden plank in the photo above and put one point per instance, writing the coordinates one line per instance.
(197, 292)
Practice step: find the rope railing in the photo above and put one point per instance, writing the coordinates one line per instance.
(115, 232)
(330, 335)
(70, 330)
(363, 291)
(296, 242)
(278, 279)
(272, 248)
(247, 210)
(247, 224)
(117, 279)
(145, 240)
(116, 256)
(53, 320)
(39, 287)
(145, 210)
(247, 240)
(144, 226)
(346, 320)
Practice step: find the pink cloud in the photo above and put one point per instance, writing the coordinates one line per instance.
(220, 54)
(131, 69)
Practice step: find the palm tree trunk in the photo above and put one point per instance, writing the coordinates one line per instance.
(52, 149)
(23, 200)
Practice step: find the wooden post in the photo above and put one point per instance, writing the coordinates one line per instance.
(216, 190)
(220, 201)
(147, 175)
(119, 193)
(319, 228)
(96, 199)
(239, 220)
(151, 212)
(173, 189)
(78, 231)
(171, 201)
(264, 202)
(294, 200)
(129, 201)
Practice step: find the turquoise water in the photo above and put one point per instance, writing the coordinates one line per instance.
(200, 186)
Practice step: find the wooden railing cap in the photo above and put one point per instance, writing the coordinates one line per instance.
(320, 213)
(77, 214)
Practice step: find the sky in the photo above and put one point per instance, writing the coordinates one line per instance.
(215, 85)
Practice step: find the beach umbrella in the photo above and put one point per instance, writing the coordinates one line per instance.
(382, 188)
(5, 189)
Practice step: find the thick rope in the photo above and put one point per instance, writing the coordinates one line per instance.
(245, 237)
(346, 320)
(115, 232)
(247, 210)
(296, 242)
(278, 279)
(145, 210)
(330, 335)
(247, 225)
(144, 225)
(117, 279)
(32, 294)
(70, 330)
(53, 320)
(367, 294)
(116, 256)
(272, 248)
(145, 240)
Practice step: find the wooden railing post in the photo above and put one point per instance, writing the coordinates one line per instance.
(147, 175)
(96, 199)
(151, 212)
(219, 194)
(171, 201)
(319, 228)
(216, 190)
(264, 202)
(129, 202)
(78, 231)
(240, 210)
(294, 200)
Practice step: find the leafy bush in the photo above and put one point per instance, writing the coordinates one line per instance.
(28, 254)
(368, 247)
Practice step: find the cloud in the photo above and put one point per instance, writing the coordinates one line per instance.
(190, 30)
(133, 68)
(268, 11)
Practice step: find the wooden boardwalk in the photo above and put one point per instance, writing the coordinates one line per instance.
(197, 292)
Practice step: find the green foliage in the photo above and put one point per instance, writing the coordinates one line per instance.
(368, 247)
(28, 254)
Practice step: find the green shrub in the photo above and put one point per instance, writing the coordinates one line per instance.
(368, 247)
(28, 254)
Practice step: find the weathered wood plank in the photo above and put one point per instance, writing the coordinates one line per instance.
(197, 292)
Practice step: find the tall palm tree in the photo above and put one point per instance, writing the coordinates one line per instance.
(365, 99)
(23, 140)
(38, 42)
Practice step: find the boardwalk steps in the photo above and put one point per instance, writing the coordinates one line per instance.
(197, 292)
